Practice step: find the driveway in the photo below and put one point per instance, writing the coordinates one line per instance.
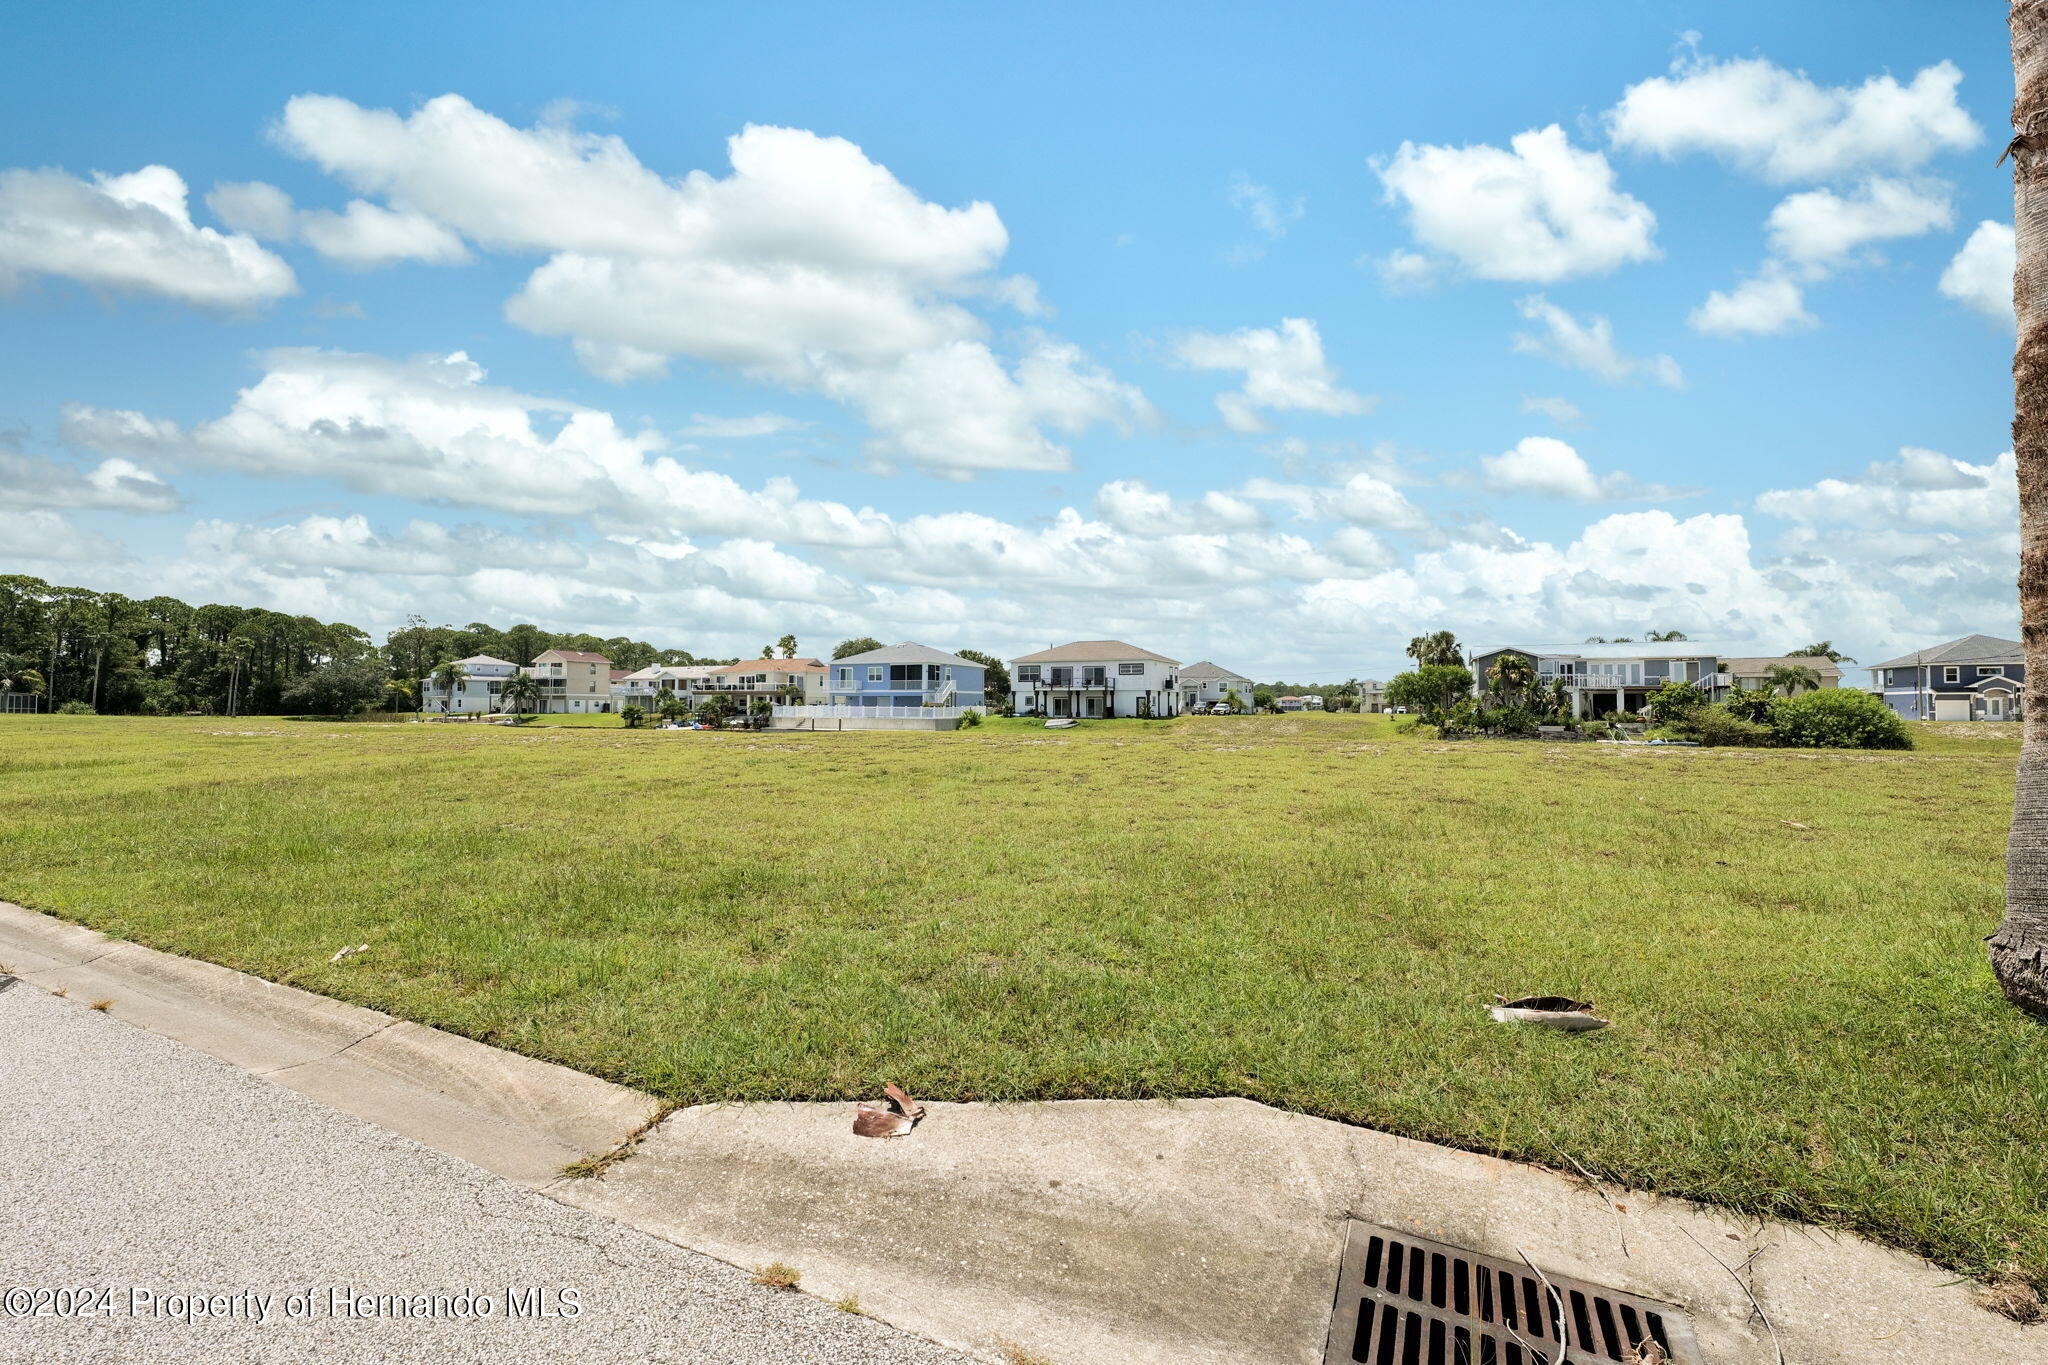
(178, 1208)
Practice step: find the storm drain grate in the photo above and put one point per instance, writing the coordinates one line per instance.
(1405, 1300)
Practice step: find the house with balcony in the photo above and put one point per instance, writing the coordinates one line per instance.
(1372, 696)
(776, 681)
(904, 677)
(1204, 684)
(1095, 678)
(1975, 678)
(573, 681)
(477, 692)
(1619, 677)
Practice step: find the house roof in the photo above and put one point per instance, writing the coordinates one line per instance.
(1625, 649)
(1092, 652)
(575, 656)
(1206, 672)
(486, 659)
(1756, 668)
(908, 653)
(1971, 649)
(619, 673)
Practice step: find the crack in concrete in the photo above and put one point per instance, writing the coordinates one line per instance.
(330, 1056)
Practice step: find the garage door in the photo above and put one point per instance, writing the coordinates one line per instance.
(1945, 709)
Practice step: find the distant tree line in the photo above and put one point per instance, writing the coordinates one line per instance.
(77, 648)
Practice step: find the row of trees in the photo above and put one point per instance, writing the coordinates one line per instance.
(80, 649)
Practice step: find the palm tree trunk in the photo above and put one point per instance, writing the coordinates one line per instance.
(2019, 950)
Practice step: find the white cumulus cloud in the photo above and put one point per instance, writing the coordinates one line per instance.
(1766, 304)
(130, 234)
(1545, 467)
(1284, 371)
(1782, 126)
(1981, 273)
(1540, 211)
(809, 266)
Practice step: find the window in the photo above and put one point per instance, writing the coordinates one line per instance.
(1130, 670)
(1951, 673)
(1095, 677)
(875, 672)
(1891, 677)
(1027, 672)
(1990, 671)
(845, 675)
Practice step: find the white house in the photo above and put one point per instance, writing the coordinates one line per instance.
(1095, 678)
(476, 692)
(1204, 684)
(786, 681)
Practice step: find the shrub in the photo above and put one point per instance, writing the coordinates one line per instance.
(1838, 718)
(76, 708)
(1433, 690)
(632, 715)
(969, 718)
(1719, 724)
(1508, 720)
(1674, 701)
(1751, 704)
(341, 688)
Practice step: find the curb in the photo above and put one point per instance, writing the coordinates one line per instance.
(1091, 1232)
(514, 1116)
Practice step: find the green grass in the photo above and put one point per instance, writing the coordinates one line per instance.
(1309, 911)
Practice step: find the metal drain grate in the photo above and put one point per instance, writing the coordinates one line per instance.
(1405, 1300)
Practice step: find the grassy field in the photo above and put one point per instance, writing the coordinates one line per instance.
(1309, 911)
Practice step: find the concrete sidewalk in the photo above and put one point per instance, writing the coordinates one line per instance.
(131, 1162)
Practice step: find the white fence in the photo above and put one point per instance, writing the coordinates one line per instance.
(868, 712)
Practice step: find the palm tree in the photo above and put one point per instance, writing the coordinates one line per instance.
(1824, 649)
(1790, 679)
(447, 676)
(673, 709)
(1660, 636)
(1511, 677)
(2019, 950)
(1438, 647)
(522, 692)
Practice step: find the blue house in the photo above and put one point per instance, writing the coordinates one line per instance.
(905, 675)
(1975, 678)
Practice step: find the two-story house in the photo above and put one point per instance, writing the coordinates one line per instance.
(478, 690)
(1618, 677)
(1095, 678)
(905, 675)
(1975, 678)
(572, 680)
(1372, 696)
(1204, 684)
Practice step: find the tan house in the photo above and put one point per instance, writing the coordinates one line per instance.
(1750, 675)
(572, 680)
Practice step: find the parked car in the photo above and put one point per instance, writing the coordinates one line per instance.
(1221, 708)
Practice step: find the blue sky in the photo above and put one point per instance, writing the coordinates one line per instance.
(1273, 337)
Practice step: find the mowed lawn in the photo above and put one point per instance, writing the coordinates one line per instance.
(1309, 911)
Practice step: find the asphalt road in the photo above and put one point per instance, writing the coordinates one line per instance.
(158, 1194)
